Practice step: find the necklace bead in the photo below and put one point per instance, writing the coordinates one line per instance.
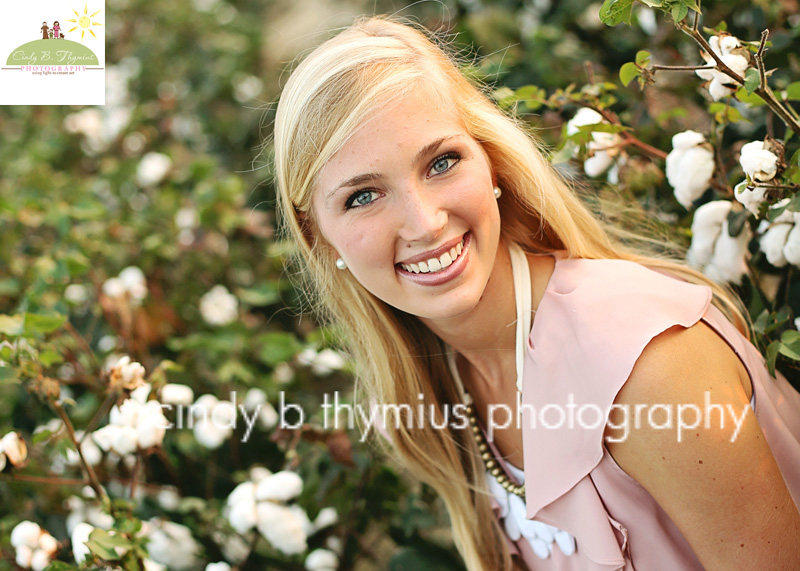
(491, 464)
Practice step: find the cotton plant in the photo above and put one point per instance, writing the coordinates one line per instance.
(690, 166)
(214, 420)
(602, 149)
(730, 50)
(322, 560)
(130, 282)
(171, 544)
(261, 503)
(780, 239)
(218, 306)
(13, 450)
(714, 251)
(34, 548)
(322, 363)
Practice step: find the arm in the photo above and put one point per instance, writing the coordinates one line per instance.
(727, 498)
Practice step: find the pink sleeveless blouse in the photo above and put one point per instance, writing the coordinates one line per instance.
(594, 321)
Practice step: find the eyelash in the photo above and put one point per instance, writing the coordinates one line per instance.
(348, 205)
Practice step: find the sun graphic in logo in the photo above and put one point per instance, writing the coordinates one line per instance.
(84, 21)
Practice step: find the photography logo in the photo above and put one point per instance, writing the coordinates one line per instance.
(61, 59)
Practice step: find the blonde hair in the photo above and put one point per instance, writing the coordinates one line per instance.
(328, 96)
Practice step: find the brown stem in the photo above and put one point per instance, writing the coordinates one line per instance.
(173, 473)
(680, 67)
(47, 480)
(93, 481)
(764, 92)
(630, 139)
(135, 475)
(759, 57)
(101, 412)
(792, 187)
(82, 342)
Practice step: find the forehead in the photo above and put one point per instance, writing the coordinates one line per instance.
(388, 134)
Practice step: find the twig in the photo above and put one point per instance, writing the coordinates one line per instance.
(680, 67)
(792, 187)
(47, 480)
(629, 139)
(135, 475)
(93, 481)
(82, 342)
(759, 57)
(764, 92)
(101, 412)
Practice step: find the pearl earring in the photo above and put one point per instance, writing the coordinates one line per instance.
(340, 263)
(497, 192)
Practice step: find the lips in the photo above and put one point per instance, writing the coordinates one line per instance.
(433, 268)
(438, 263)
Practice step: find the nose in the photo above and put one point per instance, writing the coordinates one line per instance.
(423, 216)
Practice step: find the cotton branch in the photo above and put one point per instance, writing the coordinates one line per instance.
(762, 90)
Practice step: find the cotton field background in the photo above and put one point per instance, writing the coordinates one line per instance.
(165, 394)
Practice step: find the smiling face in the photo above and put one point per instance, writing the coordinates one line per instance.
(408, 203)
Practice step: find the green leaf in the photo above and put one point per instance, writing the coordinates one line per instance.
(615, 12)
(266, 293)
(736, 222)
(11, 324)
(793, 91)
(50, 357)
(679, 12)
(628, 72)
(774, 212)
(277, 347)
(41, 436)
(790, 344)
(36, 323)
(760, 324)
(750, 99)
(8, 376)
(61, 566)
(752, 79)
(643, 58)
(772, 356)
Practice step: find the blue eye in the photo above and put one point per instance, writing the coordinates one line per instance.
(444, 163)
(360, 198)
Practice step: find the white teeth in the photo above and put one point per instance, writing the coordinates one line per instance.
(436, 264)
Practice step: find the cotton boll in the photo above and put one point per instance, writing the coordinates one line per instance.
(254, 398)
(689, 167)
(750, 197)
(14, 448)
(126, 441)
(791, 249)
(79, 537)
(706, 227)
(281, 486)
(597, 164)
(302, 517)
(281, 528)
(327, 361)
(134, 281)
(219, 566)
(26, 533)
(218, 306)
(172, 544)
(686, 140)
(114, 288)
(583, 117)
(23, 556)
(39, 560)
(177, 394)
(242, 515)
(106, 437)
(321, 560)
(151, 425)
(2, 461)
(127, 374)
(772, 243)
(728, 263)
(267, 416)
(758, 163)
(325, 518)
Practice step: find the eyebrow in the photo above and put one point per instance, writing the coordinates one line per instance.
(366, 177)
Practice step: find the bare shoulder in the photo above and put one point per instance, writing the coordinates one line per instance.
(701, 454)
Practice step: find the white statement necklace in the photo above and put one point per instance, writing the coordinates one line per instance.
(511, 497)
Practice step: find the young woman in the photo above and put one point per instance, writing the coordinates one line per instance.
(472, 281)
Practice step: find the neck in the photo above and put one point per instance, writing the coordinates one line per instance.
(486, 336)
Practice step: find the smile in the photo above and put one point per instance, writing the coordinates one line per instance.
(438, 266)
(433, 265)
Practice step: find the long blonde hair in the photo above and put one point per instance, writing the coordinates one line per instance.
(328, 96)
